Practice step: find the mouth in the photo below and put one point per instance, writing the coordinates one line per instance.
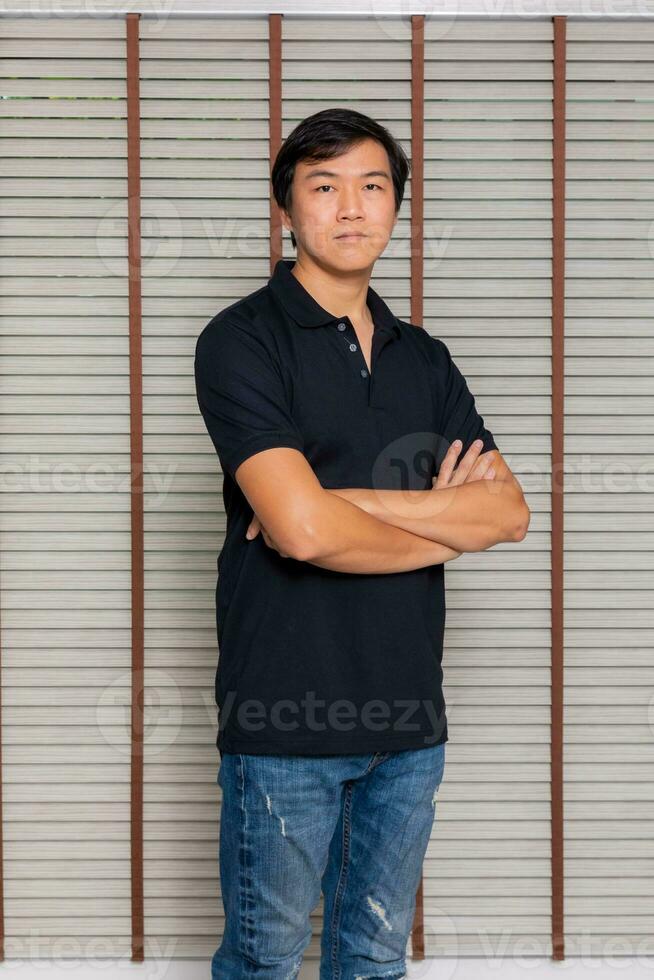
(353, 237)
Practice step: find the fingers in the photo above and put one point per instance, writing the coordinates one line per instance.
(447, 466)
(465, 466)
(253, 528)
(483, 469)
(470, 467)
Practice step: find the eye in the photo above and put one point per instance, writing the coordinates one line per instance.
(378, 186)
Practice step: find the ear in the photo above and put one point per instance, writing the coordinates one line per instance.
(286, 219)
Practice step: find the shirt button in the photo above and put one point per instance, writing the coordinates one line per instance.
(342, 326)
(353, 346)
(364, 373)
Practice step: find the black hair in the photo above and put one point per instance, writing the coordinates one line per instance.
(327, 134)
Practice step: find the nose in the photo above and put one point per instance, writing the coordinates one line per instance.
(349, 204)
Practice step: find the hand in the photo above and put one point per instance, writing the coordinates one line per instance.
(469, 469)
(253, 529)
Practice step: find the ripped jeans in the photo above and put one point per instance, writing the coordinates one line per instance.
(354, 827)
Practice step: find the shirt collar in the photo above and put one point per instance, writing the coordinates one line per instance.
(302, 307)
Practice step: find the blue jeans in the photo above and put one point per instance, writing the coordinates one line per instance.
(355, 827)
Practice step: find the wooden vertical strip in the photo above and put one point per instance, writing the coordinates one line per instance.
(557, 489)
(274, 126)
(417, 253)
(136, 464)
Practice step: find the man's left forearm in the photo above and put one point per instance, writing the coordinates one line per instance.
(466, 517)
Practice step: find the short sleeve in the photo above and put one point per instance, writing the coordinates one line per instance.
(241, 394)
(458, 415)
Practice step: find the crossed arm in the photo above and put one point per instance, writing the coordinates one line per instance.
(378, 531)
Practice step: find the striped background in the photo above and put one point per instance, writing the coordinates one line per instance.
(135, 159)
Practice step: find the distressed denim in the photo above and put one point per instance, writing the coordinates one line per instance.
(355, 827)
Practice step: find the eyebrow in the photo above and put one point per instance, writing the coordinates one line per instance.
(330, 173)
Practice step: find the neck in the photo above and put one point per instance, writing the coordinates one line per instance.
(343, 294)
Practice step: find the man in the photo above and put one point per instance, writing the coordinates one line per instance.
(335, 422)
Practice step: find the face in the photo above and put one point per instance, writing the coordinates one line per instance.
(337, 199)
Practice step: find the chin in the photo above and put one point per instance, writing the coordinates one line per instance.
(352, 258)
(354, 265)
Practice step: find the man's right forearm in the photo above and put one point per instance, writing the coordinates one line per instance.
(345, 538)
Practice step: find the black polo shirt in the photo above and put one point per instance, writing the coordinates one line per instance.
(314, 661)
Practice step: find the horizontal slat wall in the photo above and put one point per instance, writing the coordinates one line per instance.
(369, 70)
(205, 228)
(205, 236)
(487, 294)
(609, 525)
(65, 495)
